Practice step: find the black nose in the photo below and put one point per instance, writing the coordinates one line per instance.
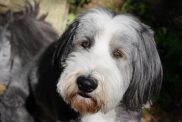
(86, 84)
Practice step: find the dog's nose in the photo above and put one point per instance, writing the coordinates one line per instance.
(86, 84)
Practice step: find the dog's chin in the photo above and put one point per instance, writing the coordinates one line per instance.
(83, 103)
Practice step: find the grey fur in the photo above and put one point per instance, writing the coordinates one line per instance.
(147, 70)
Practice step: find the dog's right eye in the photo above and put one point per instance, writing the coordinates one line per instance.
(85, 44)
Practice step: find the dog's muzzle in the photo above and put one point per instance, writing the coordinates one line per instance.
(84, 96)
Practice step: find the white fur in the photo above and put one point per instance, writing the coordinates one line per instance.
(100, 117)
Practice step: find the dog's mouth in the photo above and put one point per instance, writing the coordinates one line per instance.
(84, 103)
(84, 95)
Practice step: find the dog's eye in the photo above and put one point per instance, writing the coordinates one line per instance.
(118, 53)
(85, 44)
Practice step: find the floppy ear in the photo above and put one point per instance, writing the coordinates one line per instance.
(147, 71)
(64, 46)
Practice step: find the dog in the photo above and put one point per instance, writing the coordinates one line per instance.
(22, 36)
(104, 68)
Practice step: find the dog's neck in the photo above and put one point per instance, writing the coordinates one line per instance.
(100, 117)
(119, 114)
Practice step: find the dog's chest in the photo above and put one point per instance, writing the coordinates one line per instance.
(100, 117)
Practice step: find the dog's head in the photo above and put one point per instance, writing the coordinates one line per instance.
(107, 59)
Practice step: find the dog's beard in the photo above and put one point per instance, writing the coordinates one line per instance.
(84, 103)
(81, 102)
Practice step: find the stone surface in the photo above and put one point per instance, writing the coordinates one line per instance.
(57, 11)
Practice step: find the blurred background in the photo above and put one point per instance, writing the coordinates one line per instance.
(164, 17)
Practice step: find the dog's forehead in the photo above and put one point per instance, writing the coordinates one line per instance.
(102, 19)
(97, 18)
(97, 21)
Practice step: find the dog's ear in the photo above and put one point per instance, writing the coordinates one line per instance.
(147, 72)
(64, 45)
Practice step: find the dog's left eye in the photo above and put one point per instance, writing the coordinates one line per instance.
(85, 44)
(117, 53)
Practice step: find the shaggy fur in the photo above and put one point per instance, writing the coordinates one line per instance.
(22, 37)
(116, 52)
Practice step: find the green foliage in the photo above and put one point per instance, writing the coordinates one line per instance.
(78, 2)
(170, 49)
(130, 5)
(70, 18)
(76, 6)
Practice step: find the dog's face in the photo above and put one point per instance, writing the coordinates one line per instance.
(107, 59)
